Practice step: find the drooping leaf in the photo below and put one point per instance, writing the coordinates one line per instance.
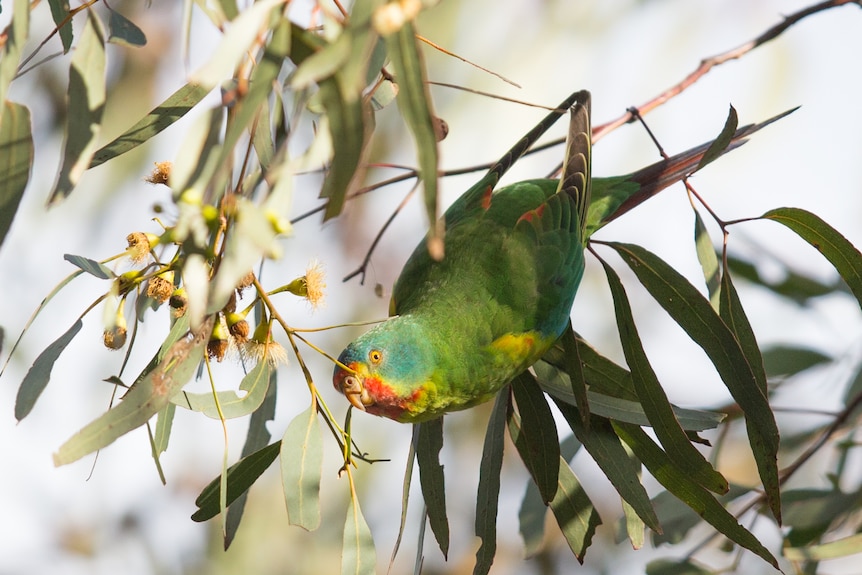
(488, 494)
(653, 398)
(842, 254)
(707, 258)
(86, 105)
(124, 32)
(678, 519)
(793, 285)
(786, 360)
(37, 377)
(733, 315)
(676, 567)
(358, 555)
(605, 448)
(147, 396)
(575, 371)
(60, 12)
(16, 36)
(850, 545)
(678, 482)
(164, 424)
(257, 438)
(414, 103)
(240, 476)
(236, 42)
(695, 315)
(428, 445)
(164, 115)
(536, 437)
(531, 519)
(92, 267)
(232, 405)
(301, 467)
(405, 494)
(724, 139)
(16, 159)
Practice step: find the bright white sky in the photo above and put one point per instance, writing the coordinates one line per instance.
(625, 52)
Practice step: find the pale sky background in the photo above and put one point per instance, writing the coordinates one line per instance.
(625, 52)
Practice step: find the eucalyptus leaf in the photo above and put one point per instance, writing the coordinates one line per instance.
(92, 267)
(358, 555)
(230, 404)
(16, 161)
(63, 19)
(678, 482)
(124, 32)
(488, 494)
(428, 445)
(842, 254)
(301, 467)
(37, 377)
(653, 398)
(240, 476)
(161, 117)
(536, 439)
(147, 396)
(694, 314)
(86, 105)
(15, 39)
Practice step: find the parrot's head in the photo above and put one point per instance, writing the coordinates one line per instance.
(388, 370)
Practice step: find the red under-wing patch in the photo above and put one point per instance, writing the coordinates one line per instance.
(486, 198)
(537, 214)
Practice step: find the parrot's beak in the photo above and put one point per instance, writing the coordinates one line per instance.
(352, 388)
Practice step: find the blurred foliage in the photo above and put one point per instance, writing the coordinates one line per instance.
(232, 184)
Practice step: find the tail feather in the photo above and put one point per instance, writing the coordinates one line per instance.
(575, 179)
(656, 177)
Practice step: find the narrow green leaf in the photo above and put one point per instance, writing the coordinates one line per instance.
(575, 371)
(604, 446)
(37, 377)
(725, 138)
(733, 315)
(240, 476)
(59, 12)
(707, 258)
(827, 240)
(257, 438)
(92, 267)
(488, 494)
(676, 567)
(531, 519)
(428, 445)
(301, 468)
(322, 64)
(405, 494)
(255, 385)
(537, 440)
(678, 482)
(851, 545)
(16, 37)
(147, 396)
(124, 32)
(16, 159)
(358, 555)
(164, 115)
(350, 126)
(786, 360)
(792, 284)
(243, 30)
(164, 424)
(574, 512)
(86, 104)
(694, 314)
(653, 398)
(678, 519)
(415, 105)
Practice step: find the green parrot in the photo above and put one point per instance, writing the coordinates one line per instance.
(465, 326)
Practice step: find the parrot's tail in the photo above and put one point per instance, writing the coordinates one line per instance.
(658, 176)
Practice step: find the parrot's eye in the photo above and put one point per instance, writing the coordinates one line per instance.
(375, 356)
